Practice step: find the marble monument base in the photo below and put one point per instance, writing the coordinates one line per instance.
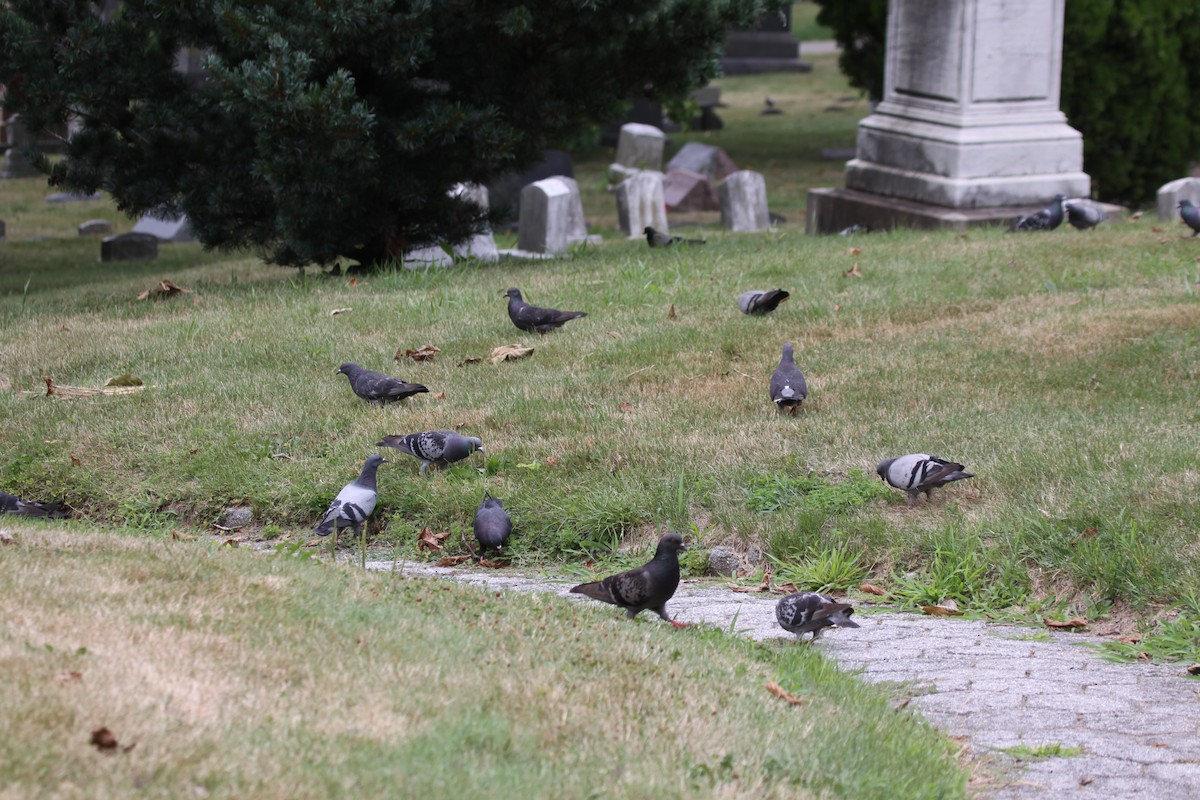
(834, 210)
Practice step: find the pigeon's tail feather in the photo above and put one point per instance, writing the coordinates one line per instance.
(566, 316)
(597, 590)
(400, 442)
(325, 527)
(53, 510)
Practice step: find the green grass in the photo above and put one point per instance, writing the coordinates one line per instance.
(1041, 752)
(230, 673)
(804, 23)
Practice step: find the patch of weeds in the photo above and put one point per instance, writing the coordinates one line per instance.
(271, 531)
(833, 568)
(769, 493)
(964, 570)
(1040, 752)
(802, 539)
(296, 550)
(1031, 636)
(1173, 640)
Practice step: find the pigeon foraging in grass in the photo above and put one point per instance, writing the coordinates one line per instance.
(648, 587)
(377, 388)
(439, 448)
(1190, 214)
(15, 506)
(757, 301)
(1083, 215)
(919, 472)
(803, 612)
(659, 239)
(533, 318)
(1047, 219)
(355, 502)
(492, 525)
(788, 388)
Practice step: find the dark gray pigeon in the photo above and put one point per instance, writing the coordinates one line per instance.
(492, 525)
(808, 611)
(533, 318)
(1190, 215)
(377, 388)
(433, 447)
(757, 301)
(659, 239)
(17, 507)
(647, 587)
(788, 388)
(919, 472)
(1083, 214)
(355, 502)
(1047, 219)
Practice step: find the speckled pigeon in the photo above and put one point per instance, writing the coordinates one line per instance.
(919, 472)
(1047, 219)
(377, 388)
(17, 507)
(492, 525)
(1190, 214)
(808, 611)
(433, 447)
(757, 301)
(1083, 214)
(647, 587)
(533, 318)
(355, 502)
(788, 388)
(656, 238)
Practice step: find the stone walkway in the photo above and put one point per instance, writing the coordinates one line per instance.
(1137, 726)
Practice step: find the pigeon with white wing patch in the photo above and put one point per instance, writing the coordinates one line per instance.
(439, 448)
(355, 502)
(788, 387)
(806, 612)
(758, 301)
(919, 472)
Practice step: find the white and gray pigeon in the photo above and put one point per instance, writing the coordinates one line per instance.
(1047, 219)
(377, 388)
(1083, 214)
(788, 388)
(648, 587)
(803, 612)
(433, 447)
(19, 507)
(535, 318)
(656, 238)
(355, 502)
(1190, 214)
(757, 301)
(919, 472)
(492, 525)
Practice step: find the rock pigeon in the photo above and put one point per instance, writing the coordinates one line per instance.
(757, 301)
(355, 502)
(647, 587)
(433, 447)
(808, 611)
(1047, 219)
(377, 388)
(919, 472)
(788, 388)
(659, 239)
(532, 318)
(492, 525)
(1083, 214)
(11, 504)
(1190, 215)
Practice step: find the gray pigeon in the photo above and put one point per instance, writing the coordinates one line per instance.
(1083, 214)
(355, 502)
(533, 318)
(1047, 219)
(15, 506)
(1190, 215)
(919, 472)
(377, 388)
(433, 447)
(659, 239)
(808, 611)
(788, 388)
(647, 587)
(757, 301)
(492, 525)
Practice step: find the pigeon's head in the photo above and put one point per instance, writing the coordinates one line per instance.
(648, 231)
(374, 460)
(1184, 203)
(1058, 198)
(670, 544)
(513, 293)
(489, 501)
(882, 469)
(788, 351)
(349, 368)
(474, 443)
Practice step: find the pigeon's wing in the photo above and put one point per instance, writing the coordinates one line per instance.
(429, 445)
(788, 385)
(492, 525)
(633, 588)
(329, 521)
(748, 301)
(937, 471)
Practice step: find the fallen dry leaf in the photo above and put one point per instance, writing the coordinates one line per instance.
(853, 272)
(337, 311)
(1135, 216)
(425, 352)
(230, 542)
(1074, 622)
(627, 406)
(440, 396)
(163, 289)
(6, 537)
(1132, 638)
(671, 312)
(509, 352)
(451, 561)
(947, 608)
(75, 462)
(785, 588)
(353, 282)
(64, 392)
(67, 677)
(783, 694)
(871, 588)
(182, 537)
(1157, 229)
(1194, 669)
(853, 251)
(552, 461)
(615, 335)
(429, 540)
(103, 739)
(1145, 657)
(837, 306)
(470, 360)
